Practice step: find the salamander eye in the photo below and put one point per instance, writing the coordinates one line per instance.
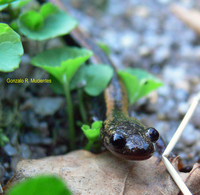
(118, 141)
(152, 134)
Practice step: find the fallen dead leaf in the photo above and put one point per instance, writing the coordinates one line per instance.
(190, 17)
(87, 173)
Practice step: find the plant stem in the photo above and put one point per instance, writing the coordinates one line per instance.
(89, 145)
(81, 106)
(70, 113)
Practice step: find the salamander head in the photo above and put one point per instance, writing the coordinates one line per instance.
(129, 140)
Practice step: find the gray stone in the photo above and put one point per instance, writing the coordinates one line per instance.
(10, 150)
(47, 105)
(129, 40)
(2, 172)
(190, 135)
(164, 90)
(183, 107)
(161, 54)
(25, 151)
(180, 94)
(173, 75)
(144, 50)
(196, 117)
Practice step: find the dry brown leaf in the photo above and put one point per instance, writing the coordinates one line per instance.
(87, 173)
(190, 17)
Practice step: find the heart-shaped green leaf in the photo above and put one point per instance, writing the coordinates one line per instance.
(11, 49)
(138, 83)
(62, 61)
(48, 23)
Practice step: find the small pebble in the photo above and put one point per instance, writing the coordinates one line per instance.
(150, 39)
(190, 135)
(161, 54)
(47, 105)
(2, 172)
(183, 84)
(37, 152)
(154, 107)
(164, 1)
(144, 50)
(112, 39)
(29, 118)
(186, 51)
(25, 151)
(31, 139)
(43, 129)
(165, 40)
(10, 150)
(182, 107)
(180, 95)
(14, 161)
(47, 141)
(197, 52)
(162, 127)
(195, 118)
(164, 90)
(60, 150)
(142, 11)
(129, 40)
(173, 75)
(161, 116)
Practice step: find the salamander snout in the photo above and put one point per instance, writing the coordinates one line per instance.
(138, 146)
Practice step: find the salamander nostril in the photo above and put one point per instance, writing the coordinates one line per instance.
(118, 141)
(152, 134)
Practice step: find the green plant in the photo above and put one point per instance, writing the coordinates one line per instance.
(2, 2)
(62, 63)
(138, 83)
(11, 48)
(40, 185)
(92, 133)
(3, 138)
(48, 22)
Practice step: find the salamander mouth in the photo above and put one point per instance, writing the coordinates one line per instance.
(132, 157)
(134, 153)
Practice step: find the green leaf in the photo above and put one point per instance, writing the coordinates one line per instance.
(104, 47)
(11, 49)
(3, 6)
(79, 80)
(92, 134)
(40, 185)
(132, 85)
(56, 86)
(93, 78)
(19, 3)
(3, 138)
(62, 61)
(98, 77)
(32, 20)
(14, 25)
(6, 1)
(47, 9)
(56, 23)
(141, 86)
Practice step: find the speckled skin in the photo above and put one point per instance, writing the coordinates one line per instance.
(138, 145)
